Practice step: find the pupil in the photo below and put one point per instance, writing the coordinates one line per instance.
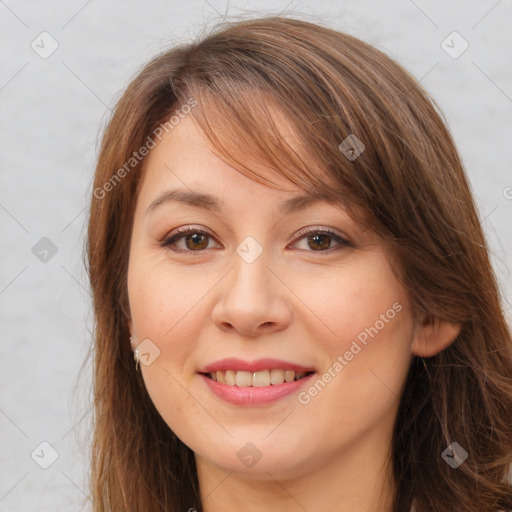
(317, 242)
(196, 238)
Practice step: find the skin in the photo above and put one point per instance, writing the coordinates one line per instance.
(294, 302)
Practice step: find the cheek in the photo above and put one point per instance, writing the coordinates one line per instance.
(162, 299)
(164, 304)
(367, 336)
(362, 302)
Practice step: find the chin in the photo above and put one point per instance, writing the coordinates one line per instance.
(261, 464)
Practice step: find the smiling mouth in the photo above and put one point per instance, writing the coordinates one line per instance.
(262, 378)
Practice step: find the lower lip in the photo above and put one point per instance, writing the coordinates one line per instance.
(249, 395)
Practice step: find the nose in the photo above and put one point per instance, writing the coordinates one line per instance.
(252, 301)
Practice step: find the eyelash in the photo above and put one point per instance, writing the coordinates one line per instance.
(167, 242)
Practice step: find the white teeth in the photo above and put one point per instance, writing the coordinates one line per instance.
(256, 379)
(243, 378)
(276, 377)
(260, 379)
(230, 378)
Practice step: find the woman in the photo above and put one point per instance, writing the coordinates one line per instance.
(282, 227)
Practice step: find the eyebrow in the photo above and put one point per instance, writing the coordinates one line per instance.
(213, 203)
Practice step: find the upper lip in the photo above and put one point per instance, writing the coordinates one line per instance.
(232, 363)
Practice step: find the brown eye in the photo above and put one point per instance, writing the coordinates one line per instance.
(193, 240)
(188, 240)
(196, 241)
(319, 241)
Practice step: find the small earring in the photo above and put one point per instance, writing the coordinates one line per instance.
(136, 356)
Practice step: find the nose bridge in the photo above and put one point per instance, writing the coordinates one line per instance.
(251, 299)
(250, 265)
(251, 277)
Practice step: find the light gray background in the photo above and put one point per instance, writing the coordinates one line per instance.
(52, 111)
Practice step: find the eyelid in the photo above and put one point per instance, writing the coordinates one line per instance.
(185, 229)
(181, 232)
(340, 238)
(320, 229)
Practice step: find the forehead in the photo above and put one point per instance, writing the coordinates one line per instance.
(211, 153)
(186, 146)
(183, 164)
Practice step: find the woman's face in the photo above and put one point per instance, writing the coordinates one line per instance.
(276, 287)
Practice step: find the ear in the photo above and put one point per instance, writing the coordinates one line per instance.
(432, 335)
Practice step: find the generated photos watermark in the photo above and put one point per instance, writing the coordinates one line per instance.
(305, 397)
(143, 151)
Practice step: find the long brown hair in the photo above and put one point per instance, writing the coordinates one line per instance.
(408, 185)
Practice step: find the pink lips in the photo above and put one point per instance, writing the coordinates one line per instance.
(250, 396)
(232, 363)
